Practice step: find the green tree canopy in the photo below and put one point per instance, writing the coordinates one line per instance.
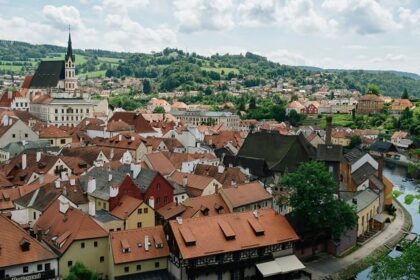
(147, 86)
(405, 94)
(406, 266)
(354, 142)
(80, 272)
(373, 89)
(159, 110)
(312, 189)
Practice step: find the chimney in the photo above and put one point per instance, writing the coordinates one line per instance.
(119, 137)
(38, 156)
(185, 181)
(233, 183)
(381, 167)
(220, 169)
(9, 94)
(92, 208)
(179, 220)
(109, 177)
(113, 191)
(57, 184)
(328, 132)
(64, 206)
(111, 154)
(135, 169)
(24, 163)
(5, 120)
(65, 191)
(41, 179)
(91, 185)
(152, 202)
(10, 121)
(72, 181)
(146, 243)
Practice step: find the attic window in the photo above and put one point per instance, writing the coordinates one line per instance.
(82, 165)
(42, 164)
(125, 246)
(256, 227)
(188, 236)
(158, 241)
(24, 245)
(204, 210)
(227, 230)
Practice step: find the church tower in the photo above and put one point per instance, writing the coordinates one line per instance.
(70, 79)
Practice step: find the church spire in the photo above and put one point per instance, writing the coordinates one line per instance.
(69, 53)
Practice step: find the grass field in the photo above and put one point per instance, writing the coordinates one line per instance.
(339, 120)
(80, 59)
(93, 74)
(220, 69)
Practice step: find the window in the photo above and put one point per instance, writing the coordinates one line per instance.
(63, 141)
(26, 135)
(34, 215)
(47, 266)
(138, 267)
(14, 135)
(69, 263)
(157, 264)
(82, 245)
(118, 229)
(95, 244)
(139, 225)
(158, 200)
(140, 211)
(146, 210)
(39, 267)
(165, 199)
(102, 259)
(56, 111)
(158, 186)
(25, 269)
(126, 269)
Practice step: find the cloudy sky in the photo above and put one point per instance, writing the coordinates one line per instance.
(366, 34)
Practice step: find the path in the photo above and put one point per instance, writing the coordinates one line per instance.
(330, 265)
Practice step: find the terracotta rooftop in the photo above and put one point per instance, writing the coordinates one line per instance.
(5, 101)
(135, 119)
(232, 232)
(227, 176)
(193, 181)
(160, 163)
(371, 97)
(53, 132)
(126, 205)
(245, 194)
(129, 245)
(60, 230)
(14, 242)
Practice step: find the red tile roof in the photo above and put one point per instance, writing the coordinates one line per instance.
(207, 237)
(126, 206)
(246, 194)
(130, 240)
(5, 101)
(12, 237)
(160, 163)
(135, 119)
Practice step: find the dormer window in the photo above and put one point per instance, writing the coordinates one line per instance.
(24, 245)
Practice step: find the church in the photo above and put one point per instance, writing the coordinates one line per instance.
(54, 94)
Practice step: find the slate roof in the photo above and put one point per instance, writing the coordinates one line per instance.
(257, 166)
(281, 152)
(364, 199)
(329, 152)
(354, 155)
(363, 173)
(104, 216)
(48, 74)
(383, 147)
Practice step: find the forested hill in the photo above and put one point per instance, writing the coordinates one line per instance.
(174, 69)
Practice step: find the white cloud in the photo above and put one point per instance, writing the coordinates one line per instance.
(127, 35)
(390, 57)
(363, 16)
(196, 15)
(20, 29)
(409, 18)
(123, 5)
(63, 16)
(257, 12)
(286, 57)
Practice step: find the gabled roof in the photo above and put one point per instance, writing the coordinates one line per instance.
(281, 152)
(12, 236)
(354, 155)
(48, 74)
(193, 181)
(383, 147)
(53, 132)
(160, 162)
(234, 232)
(225, 177)
(246, 194)
(134, 243)
(135, 119)
(126, 206)
(68, 227)
(363, 173)
(5, 101)
(330, 153)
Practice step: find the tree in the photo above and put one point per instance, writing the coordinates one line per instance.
(294, 117)
(252, 103)
(208, 91)
(311, 196)
(147, 86)
(159, 110)
(373, 89)
(354, 142)
(406, 266)
(405, 94)
(80, 272)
